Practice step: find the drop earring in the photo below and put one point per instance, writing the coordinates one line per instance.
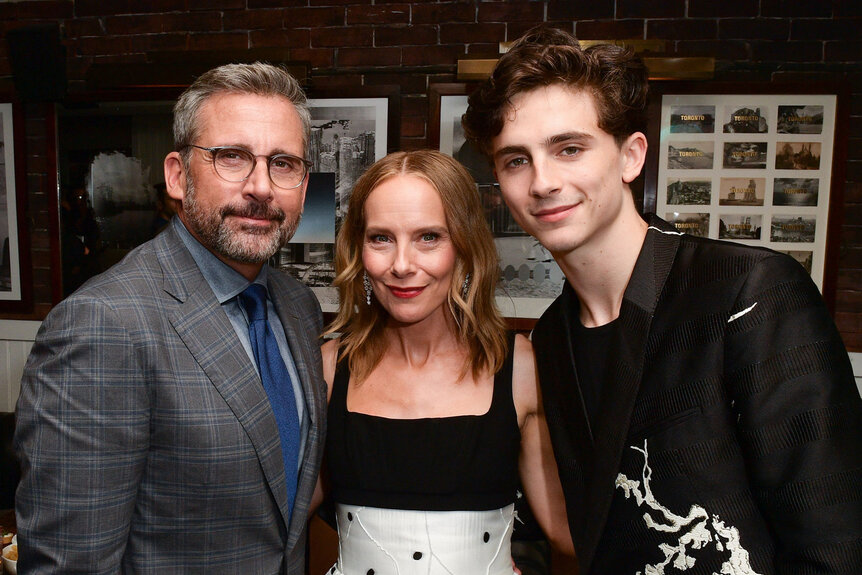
(465, 288)
(366, 283)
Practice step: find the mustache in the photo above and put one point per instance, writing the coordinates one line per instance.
(252, 209)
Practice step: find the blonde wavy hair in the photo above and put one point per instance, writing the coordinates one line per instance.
(480, 327)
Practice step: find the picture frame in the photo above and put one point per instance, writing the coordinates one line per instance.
(349, 133)
(16, 294)
(530, 279)
(447, 103)
(109, 178)
(761, 165)
(379, 104)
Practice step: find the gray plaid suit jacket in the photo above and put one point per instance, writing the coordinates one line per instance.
(146, 440)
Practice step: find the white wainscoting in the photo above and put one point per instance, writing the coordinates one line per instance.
(856, 360)
(16, 338)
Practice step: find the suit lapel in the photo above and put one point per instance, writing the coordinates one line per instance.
(620, 389)
(211, 339)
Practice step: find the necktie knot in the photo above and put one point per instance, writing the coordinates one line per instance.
(253, 300)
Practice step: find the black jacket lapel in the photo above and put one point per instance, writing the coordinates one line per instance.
(620, 390)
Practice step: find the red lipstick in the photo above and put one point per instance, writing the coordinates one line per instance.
(405, 292)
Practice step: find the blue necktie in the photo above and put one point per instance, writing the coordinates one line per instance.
(276, 382)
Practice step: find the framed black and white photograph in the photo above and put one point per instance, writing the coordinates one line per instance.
(689, 191)
(347, 136)
(744, 155)
(793, 229)
(739, 226)
(15, 294)
(530, 279)
(780, 147)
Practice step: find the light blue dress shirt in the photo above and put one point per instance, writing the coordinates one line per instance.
(226, 283)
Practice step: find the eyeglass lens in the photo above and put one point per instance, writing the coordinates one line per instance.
(236, 164)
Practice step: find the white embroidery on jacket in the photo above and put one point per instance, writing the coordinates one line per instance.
(693, 529)
(738, 315)
(666, 232)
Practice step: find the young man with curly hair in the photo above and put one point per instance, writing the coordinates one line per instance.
(701, 403)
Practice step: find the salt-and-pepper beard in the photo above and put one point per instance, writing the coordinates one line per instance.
(211, 228)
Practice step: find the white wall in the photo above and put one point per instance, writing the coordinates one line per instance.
(16, 338)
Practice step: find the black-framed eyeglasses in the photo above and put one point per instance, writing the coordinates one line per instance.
(235, 165)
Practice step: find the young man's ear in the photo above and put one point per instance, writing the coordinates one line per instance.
(175, 177)
(634, 155)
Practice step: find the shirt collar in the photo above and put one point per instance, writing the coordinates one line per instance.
(225, 282)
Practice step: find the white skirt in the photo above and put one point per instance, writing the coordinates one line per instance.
(373, 541)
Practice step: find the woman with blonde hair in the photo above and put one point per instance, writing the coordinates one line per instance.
(434, 410)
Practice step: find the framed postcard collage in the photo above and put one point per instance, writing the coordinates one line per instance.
(755, 169)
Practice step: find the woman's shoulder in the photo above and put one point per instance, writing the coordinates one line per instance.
(522, 353)
(329, 354)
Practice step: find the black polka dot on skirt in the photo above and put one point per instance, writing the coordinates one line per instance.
(418, 555)
(486, 537)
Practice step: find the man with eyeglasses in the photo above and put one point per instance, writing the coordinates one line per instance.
(172, 410)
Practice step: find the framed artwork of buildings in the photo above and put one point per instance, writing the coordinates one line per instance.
(758, 167)
(348, 134)
(530, 279)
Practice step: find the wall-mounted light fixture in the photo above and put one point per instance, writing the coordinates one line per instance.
(653, 52)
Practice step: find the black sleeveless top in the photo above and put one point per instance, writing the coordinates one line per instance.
(463, 462)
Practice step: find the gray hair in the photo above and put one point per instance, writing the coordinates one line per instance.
(260, 79)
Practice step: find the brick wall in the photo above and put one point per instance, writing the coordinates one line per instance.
(348, 43)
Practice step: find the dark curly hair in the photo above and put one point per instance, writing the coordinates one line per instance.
(544, 56)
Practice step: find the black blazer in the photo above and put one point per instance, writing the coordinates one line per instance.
(729, 430)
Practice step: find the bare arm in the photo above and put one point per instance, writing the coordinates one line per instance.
(329, 352)
(537, 465)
